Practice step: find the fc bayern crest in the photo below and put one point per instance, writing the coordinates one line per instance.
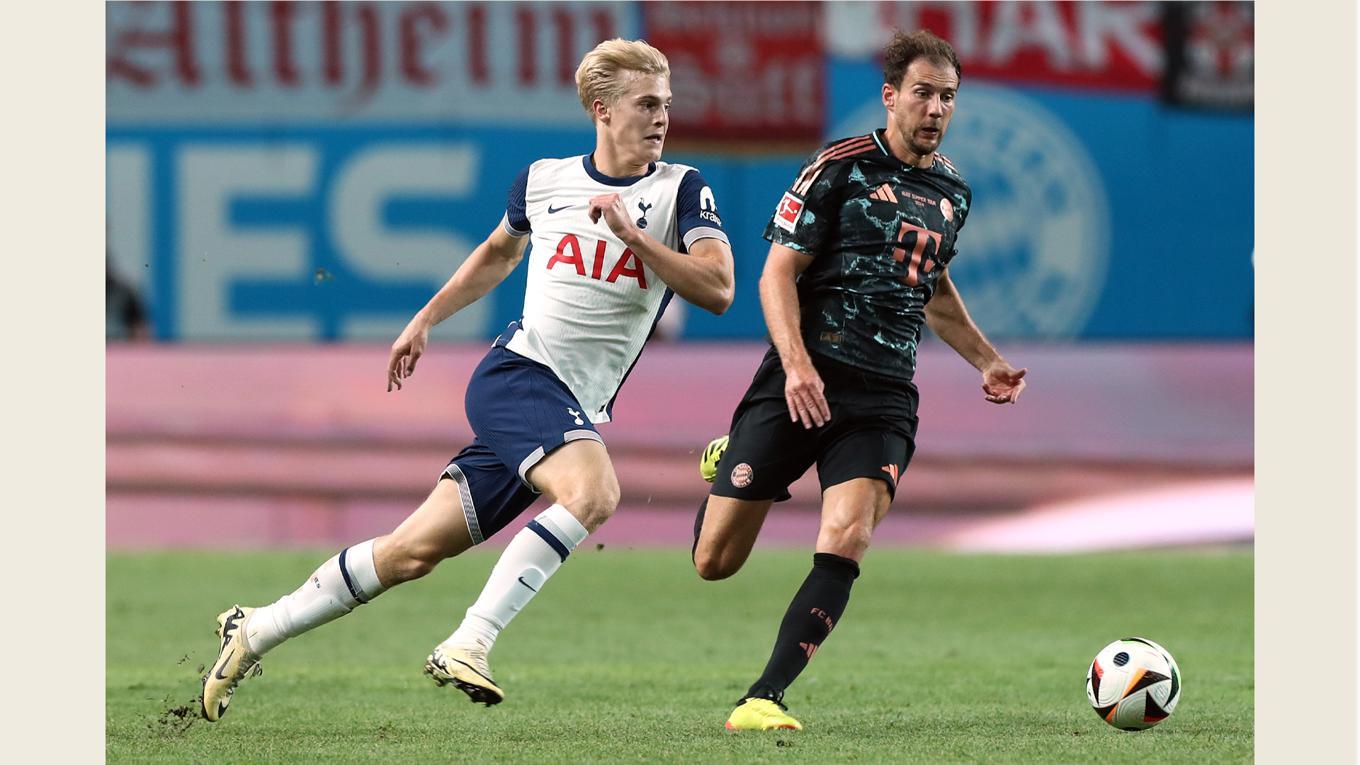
(1034, 252)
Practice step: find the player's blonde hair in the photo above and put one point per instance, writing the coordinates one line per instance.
(598, 74)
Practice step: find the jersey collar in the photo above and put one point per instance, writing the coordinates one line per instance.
(881, 139)
(588, 162)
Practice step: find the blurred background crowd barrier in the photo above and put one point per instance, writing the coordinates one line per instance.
(288, 182)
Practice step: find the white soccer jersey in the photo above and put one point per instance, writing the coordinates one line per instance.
(590, 302)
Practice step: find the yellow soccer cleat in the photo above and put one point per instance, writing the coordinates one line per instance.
(234, 661)
(708, 463)
(761, 714)
(467, 668)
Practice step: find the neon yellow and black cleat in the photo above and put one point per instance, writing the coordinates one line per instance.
(234, 661)
(761, 714)
(467, 668)
(708, 463)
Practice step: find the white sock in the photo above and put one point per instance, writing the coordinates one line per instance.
(340, 585)
(532, 556)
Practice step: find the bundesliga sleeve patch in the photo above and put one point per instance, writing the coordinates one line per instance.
(790, 209)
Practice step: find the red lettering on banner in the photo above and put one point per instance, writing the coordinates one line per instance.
(477, 66)
(412, 40)
(237, 68)
(574, 259)
(178, 39)
(372, 48)
(566, 55)
(622, 268)
(528, 45)
(285, 68)
(331, 46)
(604, 26)
(357, 46)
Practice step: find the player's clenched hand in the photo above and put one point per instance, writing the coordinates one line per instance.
(1002, 383)
(406, 351)
(803, 392)
(610, 207)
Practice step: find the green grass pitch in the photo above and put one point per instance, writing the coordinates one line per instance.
(629, 657)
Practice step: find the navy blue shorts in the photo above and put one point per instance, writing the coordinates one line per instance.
(520, 411)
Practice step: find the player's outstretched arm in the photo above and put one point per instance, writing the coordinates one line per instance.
(779, 300)
(704, 277)
(487, 266)
(948, 318)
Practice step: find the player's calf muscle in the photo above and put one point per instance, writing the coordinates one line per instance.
(719, 555)
(401, 560)
(714, 564)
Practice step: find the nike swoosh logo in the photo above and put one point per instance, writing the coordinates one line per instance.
(552, 209)
(526, 584)
(474, 671)
(218, 674)
(229, 626)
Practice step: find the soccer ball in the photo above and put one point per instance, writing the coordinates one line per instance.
(1133, 684)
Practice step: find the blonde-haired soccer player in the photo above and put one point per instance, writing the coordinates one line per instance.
(615, 233)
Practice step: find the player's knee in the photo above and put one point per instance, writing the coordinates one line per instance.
(848, 538)
(598, 508)
(594, 505)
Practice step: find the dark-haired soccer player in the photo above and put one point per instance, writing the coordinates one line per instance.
(859, 260)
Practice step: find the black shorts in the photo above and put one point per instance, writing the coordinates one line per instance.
(872, 433)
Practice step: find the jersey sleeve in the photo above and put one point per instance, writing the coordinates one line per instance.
(805, 217)
(696, 212)
(962, 203)
(516, 221)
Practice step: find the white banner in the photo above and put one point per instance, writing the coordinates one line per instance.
(479, 63)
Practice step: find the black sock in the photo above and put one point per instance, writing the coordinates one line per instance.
(812, 614)
(698, 526)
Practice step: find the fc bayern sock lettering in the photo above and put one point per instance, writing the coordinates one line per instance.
(532, 556)
(812, 614)
(341, 584)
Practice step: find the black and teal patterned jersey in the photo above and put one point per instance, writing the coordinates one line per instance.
(880, 233)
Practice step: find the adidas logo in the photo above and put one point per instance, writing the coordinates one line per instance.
(891, 470)
(884, 193)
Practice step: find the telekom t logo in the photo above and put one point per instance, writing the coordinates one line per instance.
(914, 268)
